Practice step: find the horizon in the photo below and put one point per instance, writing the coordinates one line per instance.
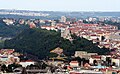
(55, 11)
(62, 5)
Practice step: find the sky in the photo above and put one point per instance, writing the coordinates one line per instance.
(61, 5)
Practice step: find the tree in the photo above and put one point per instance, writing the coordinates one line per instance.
(3, 68)
(39, 43)
(95, 62)
(102, 38)
(11, 67)
(24, 70)
(113, 64)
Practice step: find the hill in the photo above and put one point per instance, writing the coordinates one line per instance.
(56, 14)
(10, 30)
(40, 42)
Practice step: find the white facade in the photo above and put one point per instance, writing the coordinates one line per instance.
(25, 64)
(74, 64)
(116, 61)
(63, 19)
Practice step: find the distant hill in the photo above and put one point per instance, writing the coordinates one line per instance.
(40, 42)
(56, 14)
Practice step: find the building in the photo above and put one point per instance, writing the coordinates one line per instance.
(63, 19)
(83, 54)
(116, 61)
(66, 34)
(115, 36)
(74, 63)
(7, 57)
(27, 63)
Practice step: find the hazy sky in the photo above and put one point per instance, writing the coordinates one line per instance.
(61, 5)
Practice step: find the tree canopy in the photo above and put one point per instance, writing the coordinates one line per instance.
(39, 42)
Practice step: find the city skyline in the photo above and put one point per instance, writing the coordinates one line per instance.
(61, 5)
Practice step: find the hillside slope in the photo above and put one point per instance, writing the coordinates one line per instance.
(40, 42)
(10, 30)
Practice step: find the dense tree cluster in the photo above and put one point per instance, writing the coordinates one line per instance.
(40, 42)
(10, 67)
(113, 23)
(11, 30)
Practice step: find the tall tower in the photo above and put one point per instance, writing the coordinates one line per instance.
(63, 19)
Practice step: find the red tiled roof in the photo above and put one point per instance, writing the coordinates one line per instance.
(28, 61)
(74, 62)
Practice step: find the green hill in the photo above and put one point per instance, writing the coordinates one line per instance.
(40, 42)
(10, 30)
